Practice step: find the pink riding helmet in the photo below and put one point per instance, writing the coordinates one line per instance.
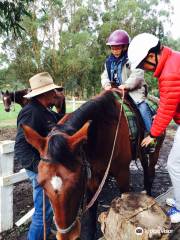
(118, 37)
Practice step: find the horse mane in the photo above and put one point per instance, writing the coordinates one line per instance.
(16, 95)
(20, 93)
(100, 108)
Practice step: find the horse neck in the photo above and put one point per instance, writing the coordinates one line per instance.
(101, 108)
(17, 97)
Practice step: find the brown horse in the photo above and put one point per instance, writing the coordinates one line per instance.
(18, 97)
(14, 97)
(65, 160)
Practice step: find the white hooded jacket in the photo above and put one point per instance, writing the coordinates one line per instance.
(134, 80)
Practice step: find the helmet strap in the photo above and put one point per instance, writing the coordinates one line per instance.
(150, 63)
(156, 58)
(153, 64)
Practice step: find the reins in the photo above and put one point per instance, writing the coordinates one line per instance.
(90, 204)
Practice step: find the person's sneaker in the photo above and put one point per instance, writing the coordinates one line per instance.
(170, 202)
(174, 215)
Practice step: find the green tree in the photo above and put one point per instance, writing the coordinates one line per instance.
(67, 38)
(11, 13)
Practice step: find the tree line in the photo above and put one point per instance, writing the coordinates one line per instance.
(67, 38)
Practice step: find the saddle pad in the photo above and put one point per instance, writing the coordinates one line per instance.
(130, 116)
(153, 106)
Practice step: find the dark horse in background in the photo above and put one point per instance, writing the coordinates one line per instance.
(65, 158)
(14, 97)
(18, 97)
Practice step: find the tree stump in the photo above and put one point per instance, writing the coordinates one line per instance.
(134, 216)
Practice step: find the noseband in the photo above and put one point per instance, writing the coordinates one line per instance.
(65, 230)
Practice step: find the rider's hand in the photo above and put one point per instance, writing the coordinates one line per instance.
(153, 117)
(122, 87)
(146, 141)
(108, 87)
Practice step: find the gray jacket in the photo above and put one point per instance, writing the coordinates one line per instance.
(134, 80)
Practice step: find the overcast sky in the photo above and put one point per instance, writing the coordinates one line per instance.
(175, 19)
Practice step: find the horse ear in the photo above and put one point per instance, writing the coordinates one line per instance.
(78, 137)
(7, 91)
(33, 138)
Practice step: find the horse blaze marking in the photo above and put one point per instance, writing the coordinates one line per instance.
(56, 183)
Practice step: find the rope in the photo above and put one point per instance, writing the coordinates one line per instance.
(44, 214)
(109, 164)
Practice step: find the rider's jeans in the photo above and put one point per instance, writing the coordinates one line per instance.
(145, 114)
(173, 166)
(36, 227)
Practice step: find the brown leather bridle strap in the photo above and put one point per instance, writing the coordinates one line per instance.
(110, 160)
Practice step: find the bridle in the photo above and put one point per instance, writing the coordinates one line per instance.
(86, 175)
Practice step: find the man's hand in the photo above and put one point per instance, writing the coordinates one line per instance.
(146, 141)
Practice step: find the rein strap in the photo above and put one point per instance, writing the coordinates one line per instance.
(110, 160)
(65, 230)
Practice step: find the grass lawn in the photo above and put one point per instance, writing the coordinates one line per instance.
(8, 119)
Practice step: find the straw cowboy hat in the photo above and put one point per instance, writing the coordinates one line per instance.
(41, 83)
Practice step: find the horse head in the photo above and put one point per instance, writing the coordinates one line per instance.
(6, 97)
(59, 101)
(62, 174)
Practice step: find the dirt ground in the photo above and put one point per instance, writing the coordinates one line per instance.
(23, 193)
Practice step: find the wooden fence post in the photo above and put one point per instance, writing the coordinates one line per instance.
(6, 192)
(74, 103)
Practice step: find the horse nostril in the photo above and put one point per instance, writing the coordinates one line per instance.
(7, 109)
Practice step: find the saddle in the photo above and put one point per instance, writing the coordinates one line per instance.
(134, 120)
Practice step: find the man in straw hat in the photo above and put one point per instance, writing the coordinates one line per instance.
(38, 116)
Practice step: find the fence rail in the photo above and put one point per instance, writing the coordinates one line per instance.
(75, 103)
(7, 179)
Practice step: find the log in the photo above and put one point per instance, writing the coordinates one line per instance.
(134, 216)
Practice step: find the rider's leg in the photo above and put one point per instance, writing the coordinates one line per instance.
(146, 114)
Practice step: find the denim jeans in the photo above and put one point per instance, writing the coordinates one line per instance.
(37, 227)
(146, 114)
(173, 166)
